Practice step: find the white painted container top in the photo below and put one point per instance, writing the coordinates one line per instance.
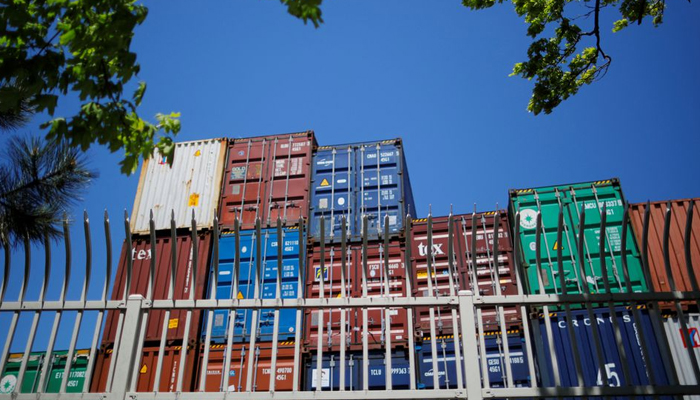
(192, 183)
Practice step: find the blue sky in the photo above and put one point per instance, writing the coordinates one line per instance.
(435, 74)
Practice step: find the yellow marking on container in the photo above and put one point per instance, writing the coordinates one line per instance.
(194, 200)
(197, 153)
(143, 369)
(240, 296)
(173, 323)
(556, 245)
(324, 182)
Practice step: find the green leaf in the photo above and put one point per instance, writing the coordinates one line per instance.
(67, 37)
(138, 94)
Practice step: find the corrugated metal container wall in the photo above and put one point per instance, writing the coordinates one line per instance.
(592, 196)
(376, 281)
(360, 179)
(585, 342)
(167, 382)
(270, 255)
(655, 251)
(486, 273)
(141, 258)
(30, 383)
(241, 356)
(495, 356)
(192, 183)
(267, 177)
(679, 346)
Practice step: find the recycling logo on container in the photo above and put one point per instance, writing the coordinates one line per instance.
(528, 218)
(8, 383)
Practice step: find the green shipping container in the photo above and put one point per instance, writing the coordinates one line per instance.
(76, 378)
(591, 196)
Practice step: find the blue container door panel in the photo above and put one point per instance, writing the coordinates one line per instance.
(400, 370)
(333, 190)
(380, 187)
(287, 317)
(242, 323)
(330, 372)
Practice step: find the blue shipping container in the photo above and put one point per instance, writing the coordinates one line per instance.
(612, 364)
(270, 254)
(360, 179)
(330, 371)
(495, 355)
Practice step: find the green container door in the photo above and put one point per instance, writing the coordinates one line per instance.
(76, 377)
(592, 196)
(8, 382)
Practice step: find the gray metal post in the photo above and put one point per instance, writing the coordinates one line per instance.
(469, 345)
(126, 356)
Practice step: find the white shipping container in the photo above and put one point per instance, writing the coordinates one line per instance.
(679, 347)
(193, 182)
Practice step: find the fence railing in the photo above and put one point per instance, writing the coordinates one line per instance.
(544, 360)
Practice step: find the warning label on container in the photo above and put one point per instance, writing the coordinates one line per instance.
(325, 377)
(173, 323)
(194, 200)
(143, 369)
(556, 246)
(324, 182)
(197, 153)
(240, 296)
(8, 383)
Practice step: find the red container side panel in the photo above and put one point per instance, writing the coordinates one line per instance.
(167, 382)
(678, 263)
(482, 279)
(267, 177)
(141, 257)
(377, 280)
(241, 357)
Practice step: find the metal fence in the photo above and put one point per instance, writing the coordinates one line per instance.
(466, 307)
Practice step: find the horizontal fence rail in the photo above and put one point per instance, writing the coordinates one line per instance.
(476, 350)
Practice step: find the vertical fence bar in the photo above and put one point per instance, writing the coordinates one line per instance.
(499, 309)
(214, 276)
(300, 290)
(564, 291)
(126, 356)
(42, 296)
(343, 282)
(278, 298)
(387, 310)
(365, 339)
(171, 289)
(194, 260)
(256, 294)
(523, 309)
(431, 310)
(319, 312)
(410, 272)
(452, 273)
(232, 314)
(687, 237)
(35, 319)
(471, 364)
(100, 313)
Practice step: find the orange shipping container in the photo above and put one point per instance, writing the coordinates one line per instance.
(147, 370)
(676, 242)
(241, 356)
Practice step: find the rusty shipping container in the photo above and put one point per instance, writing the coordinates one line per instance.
(267, 177)
(167, 382)
(191, 183)
(676, 242)
(376, 287)
(241, 356)
(141, 254)
(482, 279)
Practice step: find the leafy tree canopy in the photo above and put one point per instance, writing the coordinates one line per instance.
(51, 48)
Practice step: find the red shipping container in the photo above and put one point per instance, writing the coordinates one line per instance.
(241, 356)
(676, 242)
(487, 276)
(376, 287)
(141, 258)
(147, 370)
(267, 177)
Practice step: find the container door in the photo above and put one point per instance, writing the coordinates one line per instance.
(330, 372)
(289, 175)
(548, 202)
(400, 370)
(333, 192)
(592, 198)
(380, 187)
(244, 183)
